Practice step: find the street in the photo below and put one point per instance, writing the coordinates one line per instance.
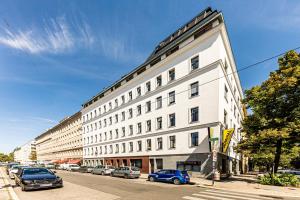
(89, 187)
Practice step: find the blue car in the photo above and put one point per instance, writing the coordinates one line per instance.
(170, 175)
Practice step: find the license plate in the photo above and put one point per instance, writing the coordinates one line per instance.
(46, 185)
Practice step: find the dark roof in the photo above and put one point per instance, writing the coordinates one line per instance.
(168, 46)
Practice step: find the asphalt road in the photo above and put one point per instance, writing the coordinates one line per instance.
(78, 186)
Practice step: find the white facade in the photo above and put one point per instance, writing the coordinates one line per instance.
(24, 153)
(197, 93)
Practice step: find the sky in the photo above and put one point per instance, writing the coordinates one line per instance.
(55, 55)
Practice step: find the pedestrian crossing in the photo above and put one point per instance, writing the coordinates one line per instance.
(215, 194)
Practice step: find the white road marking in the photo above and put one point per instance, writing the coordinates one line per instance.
(192, 198)
(236, 194)
(211, 197)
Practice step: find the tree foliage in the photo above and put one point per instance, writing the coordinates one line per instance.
(6, 157)
(272, 130)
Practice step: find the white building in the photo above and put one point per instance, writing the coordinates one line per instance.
(157, 116)
(24, 153)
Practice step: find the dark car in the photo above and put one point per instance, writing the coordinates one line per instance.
(37, 178)
(85, 169)
(170, 175)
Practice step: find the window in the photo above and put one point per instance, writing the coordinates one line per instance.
(110, 135)
(116, 103)
(99, 111)
(123, 115)
(226, 67)
(105, 136)
(116, 118)
(130, 96)
(159, 143)
(138, 91)
(148, 123)
(148, 144)
(159, 123)
(172, 142)
(123, 148)
(195, 63)
(194, 89)
(130, 146)
(139, 110)
(172, 120)
(123, 131)
(130, 129)
(234, 111)
(171, 74)
(130, 113)
(194, 114)
(104, 108)
(194, 166)
(117, 133)
(110, 148)
(171, 97)
(148, 86)
(158, 81)
(123, 99)
(148, 106)
(110, 120)
(117, 148)
(95, 138)
(226, 93)
(139, 127)
(95, 126)
(158, 102)
(194, 139)
(100, 137)
(105, 123)
(95, 113)
(139, 145)
(225, 119)
(159, 163)
(110, 105)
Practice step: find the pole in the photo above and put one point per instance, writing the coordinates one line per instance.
(214, 159)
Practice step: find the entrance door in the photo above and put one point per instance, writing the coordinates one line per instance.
(152, 165)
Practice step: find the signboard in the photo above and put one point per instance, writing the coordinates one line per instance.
(227, 135)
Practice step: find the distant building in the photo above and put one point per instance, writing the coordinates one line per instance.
(24, 153)
(157, 116)
(62, 143)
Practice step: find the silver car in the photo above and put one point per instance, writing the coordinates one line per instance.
(127, 172)
(103, 170)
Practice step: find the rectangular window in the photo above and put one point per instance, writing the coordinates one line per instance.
(105, 123)
(105, 136)
(171, 74)
(234, 111)
(226, 67)
(123, 148)
(148, 86)
(130, 146)
(123, 131)
(105, 149)
(159, 163)
(148, 106)
(194, 89)
(110, 105)
(194, 114)
(172, 120)
(138, 110)
(194, 139)
(123, 99)
(130, 96)
(139, 145)
(172, 142)
(226, 93)
(148, 125)
(110, 120)
(171, 97)
(139, 127)
(110, 148)
(130, 130)
(158, 102)
(116, 103)
(148, 144)
(158, 81)
(138, 91)
(225, 119)
(116, 118)
(130, 113)
(159, 123)
(159, 143)
(110, 135)
(104, 108)
(117, 133)
(195, 63)
(117, 148)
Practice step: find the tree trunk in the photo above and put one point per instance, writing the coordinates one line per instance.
(277, 155)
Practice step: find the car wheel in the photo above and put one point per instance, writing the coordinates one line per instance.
(111, 174)
(151, 179)
(102, 173)
(126, 176)
(176, 181)
(23, 188)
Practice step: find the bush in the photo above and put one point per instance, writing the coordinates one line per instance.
(280, 180)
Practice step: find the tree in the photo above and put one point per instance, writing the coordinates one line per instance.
(273, 128)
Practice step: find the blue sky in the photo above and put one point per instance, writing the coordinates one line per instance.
(55, 55)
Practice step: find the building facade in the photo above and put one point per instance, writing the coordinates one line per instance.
(26, 153)
(62, 143)
(158, 115)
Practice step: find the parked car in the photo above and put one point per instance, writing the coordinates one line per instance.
(73, 167)
(85, 169)
(170, 175)
(103, 170)
(9, 165)
(289, 171)
(126, 172)
(37, 178)
(13, 170)
(50, 166)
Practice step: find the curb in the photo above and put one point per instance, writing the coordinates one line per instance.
(11, 191)
(263, 195)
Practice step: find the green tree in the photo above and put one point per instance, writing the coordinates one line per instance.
(273, 127)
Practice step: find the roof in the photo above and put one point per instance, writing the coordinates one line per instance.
(167, 46)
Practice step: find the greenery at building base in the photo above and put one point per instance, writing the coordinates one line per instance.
(272, 130)
(6, 157)
(280, 180)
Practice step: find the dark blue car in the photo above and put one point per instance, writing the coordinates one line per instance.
(37, 178)
(170, 175)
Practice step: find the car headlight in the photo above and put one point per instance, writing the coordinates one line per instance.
(28, 182)
(58, 179)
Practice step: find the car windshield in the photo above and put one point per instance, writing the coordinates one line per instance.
(184, 173)
(74, 165)
(135, 169)
(36, 171)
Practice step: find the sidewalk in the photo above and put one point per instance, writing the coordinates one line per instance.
(6, 191)
(247, 184)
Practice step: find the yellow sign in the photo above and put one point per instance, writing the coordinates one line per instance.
(227, 135)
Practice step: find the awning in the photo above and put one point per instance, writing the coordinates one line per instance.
(75, 161)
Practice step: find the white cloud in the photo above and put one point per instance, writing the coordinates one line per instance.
(56, 36)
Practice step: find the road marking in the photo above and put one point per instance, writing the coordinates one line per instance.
(227, 195)
(244, 195)
(193, 198)
(212, 197)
